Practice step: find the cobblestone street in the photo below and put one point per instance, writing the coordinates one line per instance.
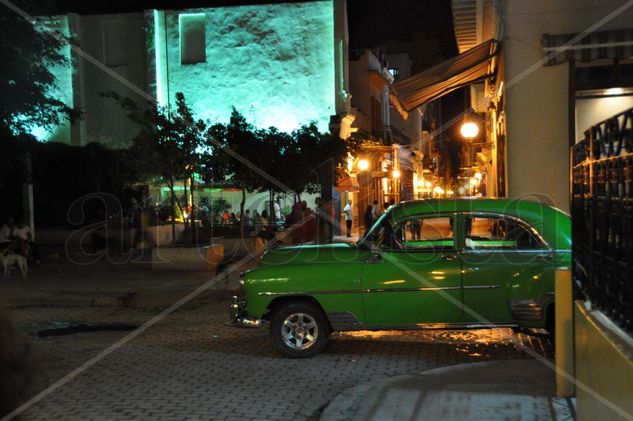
(193, 365)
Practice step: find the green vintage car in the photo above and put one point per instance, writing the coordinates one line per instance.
(437, 263)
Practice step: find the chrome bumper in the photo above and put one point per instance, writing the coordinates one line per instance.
(237, 312)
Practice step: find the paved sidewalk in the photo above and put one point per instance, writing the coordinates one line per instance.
(495, 390)
(74, 279)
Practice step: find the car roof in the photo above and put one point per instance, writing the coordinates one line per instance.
(552, 223)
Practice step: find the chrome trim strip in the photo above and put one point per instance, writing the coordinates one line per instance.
(365, 291)
(409, 289)
(340, 291)
(498, 250)
(372, 290)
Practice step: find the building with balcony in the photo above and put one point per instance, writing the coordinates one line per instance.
(391, 159)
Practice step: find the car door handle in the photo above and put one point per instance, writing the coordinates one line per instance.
(374, 258)
(547, 257)
(449, 257)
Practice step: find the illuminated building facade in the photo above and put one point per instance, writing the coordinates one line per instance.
(281, 65)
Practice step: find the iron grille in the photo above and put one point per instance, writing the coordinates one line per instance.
(602, 215)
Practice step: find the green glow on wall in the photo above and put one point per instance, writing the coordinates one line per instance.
(63, 89)
(159, 57)
(274, 63)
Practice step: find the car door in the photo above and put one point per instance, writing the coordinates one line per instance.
(413, 275)
(502, 255)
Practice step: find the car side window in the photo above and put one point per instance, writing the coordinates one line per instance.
(427, 233)
(498, 233)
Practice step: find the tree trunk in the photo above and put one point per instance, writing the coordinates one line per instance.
(327, 184)
(173, 203)
(185, 219)
(192, 216)
(271, 206)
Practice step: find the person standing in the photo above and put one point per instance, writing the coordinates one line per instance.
(348, 217)
(319, 219)
(277, 210)
(375, 212)
(368, 218)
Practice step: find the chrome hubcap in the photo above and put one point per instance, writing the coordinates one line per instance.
(299, 331)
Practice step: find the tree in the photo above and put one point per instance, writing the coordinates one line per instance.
(311, 158)
(274, 146)
(169, 144)
(236, 152)
(26, 82)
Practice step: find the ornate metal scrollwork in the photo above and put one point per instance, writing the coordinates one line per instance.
(602, 214)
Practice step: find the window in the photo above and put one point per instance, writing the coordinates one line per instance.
(395, 72)
(433, 233)
(376, 117)
(414, 234)
(192, 38)
(498, 233)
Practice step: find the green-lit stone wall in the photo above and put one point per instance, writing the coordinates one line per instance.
(63, 89)
(273, 63)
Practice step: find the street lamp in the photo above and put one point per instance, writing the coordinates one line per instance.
(395, 173)
(363, 164)
(469, 130)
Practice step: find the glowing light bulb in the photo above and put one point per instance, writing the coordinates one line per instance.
(469, 130)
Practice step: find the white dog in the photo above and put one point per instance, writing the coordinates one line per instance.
(11, 259)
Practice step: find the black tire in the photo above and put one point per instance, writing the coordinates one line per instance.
(299, 329)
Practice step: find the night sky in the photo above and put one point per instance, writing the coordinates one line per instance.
(371, 22)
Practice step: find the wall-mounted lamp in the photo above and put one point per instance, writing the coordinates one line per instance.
(363, 164)
(469, 130)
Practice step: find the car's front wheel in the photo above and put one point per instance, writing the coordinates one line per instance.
(299, 329)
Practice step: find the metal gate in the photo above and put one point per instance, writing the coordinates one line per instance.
(602, 217)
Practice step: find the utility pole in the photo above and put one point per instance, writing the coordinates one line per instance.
(27, 194)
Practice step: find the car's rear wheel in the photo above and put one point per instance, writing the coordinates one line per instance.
(299, 329)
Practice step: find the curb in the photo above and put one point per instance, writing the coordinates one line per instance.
(345, 405)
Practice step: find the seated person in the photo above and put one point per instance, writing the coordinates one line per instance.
(7, 234)
(24, 239)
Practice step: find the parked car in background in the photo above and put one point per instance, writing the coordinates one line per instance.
(437, 263)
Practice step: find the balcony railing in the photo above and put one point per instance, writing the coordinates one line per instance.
(602, 217)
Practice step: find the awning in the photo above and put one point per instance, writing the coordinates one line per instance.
(462, 70)
(346, 182)
(617, 44)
